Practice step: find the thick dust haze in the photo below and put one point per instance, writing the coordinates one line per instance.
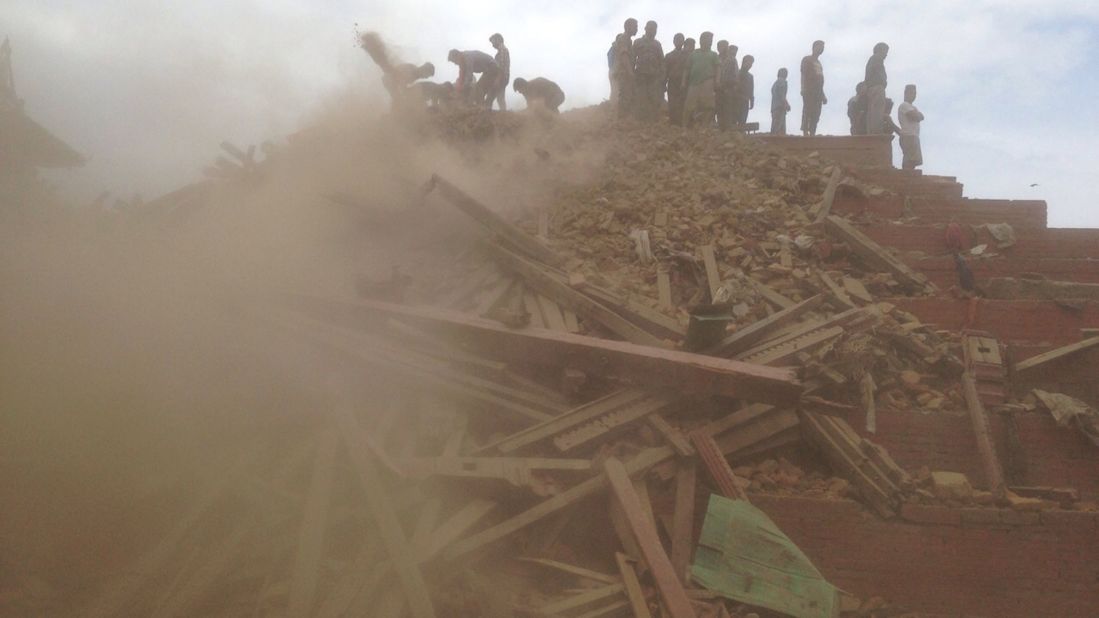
(135, 348)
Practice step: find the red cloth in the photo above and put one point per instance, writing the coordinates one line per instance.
(955, 238)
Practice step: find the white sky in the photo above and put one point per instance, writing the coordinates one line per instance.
(149, 89)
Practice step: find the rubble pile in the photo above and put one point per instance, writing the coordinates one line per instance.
(546, 421)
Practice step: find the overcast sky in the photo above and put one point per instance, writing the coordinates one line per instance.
(148, 89)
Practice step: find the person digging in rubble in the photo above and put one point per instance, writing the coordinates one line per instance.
(910, 118)
(812, 90)
(540, 93)
(856, 110)
(648, 74)
(470, 63)
(745, 92)
(876, 80)
(503, 60)
(434, 95)
(674, 63)
(700, 80)
(726, 85)
(622, 62)
(397, 77)
(780, 106)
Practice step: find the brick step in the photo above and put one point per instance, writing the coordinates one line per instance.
(1012, 321)
(941, 270)
(1073, 375)
(967, 211)
(907, 183)
(859, 150)
(1065, 243)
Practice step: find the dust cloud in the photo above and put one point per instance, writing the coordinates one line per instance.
(136, 355)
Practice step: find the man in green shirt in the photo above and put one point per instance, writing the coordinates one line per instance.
(700, 80)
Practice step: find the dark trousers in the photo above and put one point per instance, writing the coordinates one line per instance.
(810, 112)
(676, 96)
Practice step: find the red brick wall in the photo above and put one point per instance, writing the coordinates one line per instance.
(1021, 214)
(977, 562)
(1015, 320)
(1044, 243)
(1052, 456)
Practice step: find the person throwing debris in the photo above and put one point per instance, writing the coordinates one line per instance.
(540, 93)
(503, 60)
(910, 118)
(397, 77)
(473, 62)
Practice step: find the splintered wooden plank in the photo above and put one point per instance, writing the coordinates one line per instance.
(124, 587)
(549, 506)
(674, 436)
(873, 253)
(496, 224)
(771, 295)
(825, 207)
(846, 456)
(389, 526)
(757, 331)
(720, 472)
(572, 569)
(573, 418)
(664, 288)
(713, 276)
(663, 573)
(580, 600)
(303, 580)
(855, 288)
(1053, 355)
(552, 285)
(650, 366)
(454, 527)
(774, 423)
(838, 292)
(613, 422)
(683, 518)
(632, 585)
(551, 315)
(639, 313)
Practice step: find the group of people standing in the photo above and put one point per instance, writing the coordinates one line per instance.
(705, 86)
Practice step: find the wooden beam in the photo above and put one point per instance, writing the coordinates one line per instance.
(757, 331)
(632, 585)
(572, 569)
(713, 276)
(672, 435)
(994, 472)
(682, 532)
(720, 472)
(314, 523)
(663, 573)
(552, 285)
(1047, 357)
(825, 207)
(396, 544)
(875, 255)
(590, 487)
(664, 288)
(652, 367)
(486, 217)
(771, 295)
(580, 600)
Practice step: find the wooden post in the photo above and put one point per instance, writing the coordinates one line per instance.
(994, 473)
(667, 583)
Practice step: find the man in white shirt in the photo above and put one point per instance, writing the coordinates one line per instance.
(909, 119)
